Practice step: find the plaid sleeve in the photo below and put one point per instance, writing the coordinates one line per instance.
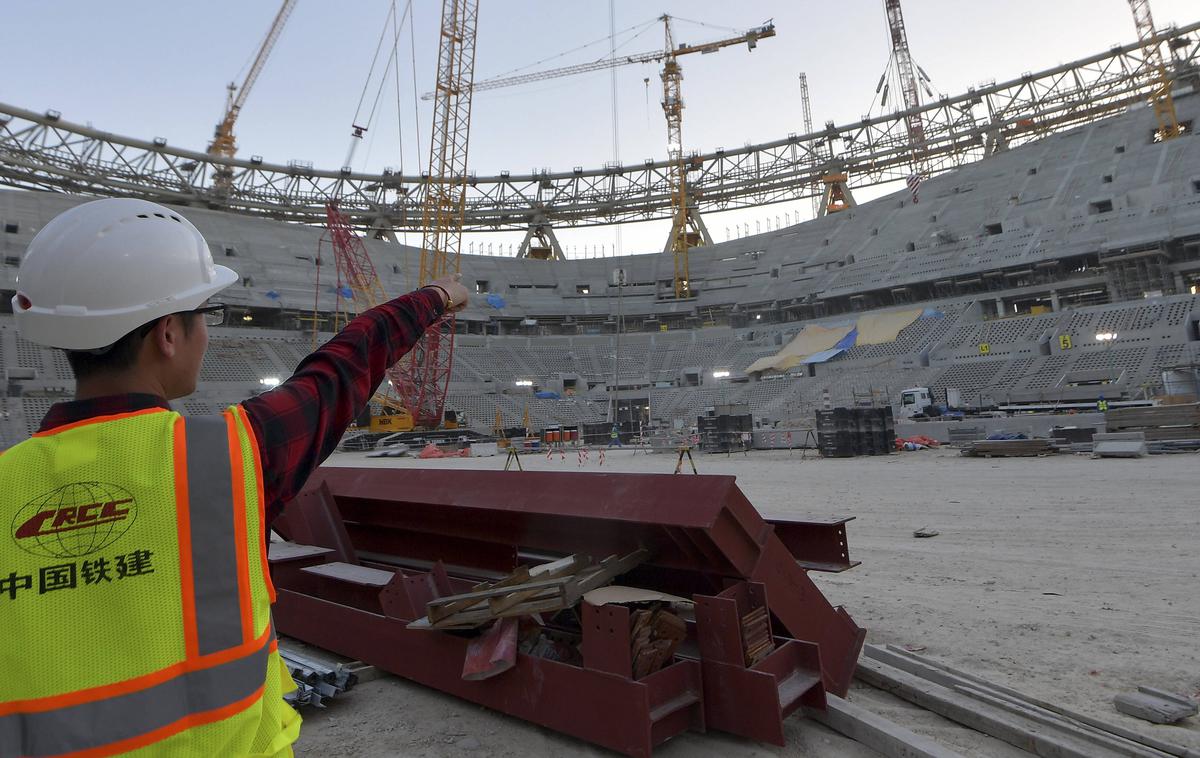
(299, 423)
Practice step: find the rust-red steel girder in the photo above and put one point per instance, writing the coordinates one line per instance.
(403, 537)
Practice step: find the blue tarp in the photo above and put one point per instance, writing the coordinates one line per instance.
(847, 342)
(824, 355)
(932, 313)
(495, 301)
(546, 395)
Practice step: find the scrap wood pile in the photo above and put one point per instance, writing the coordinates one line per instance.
(519, 606)
(549, 587)
(1158, 422)
(1009, 448)
(655, 635)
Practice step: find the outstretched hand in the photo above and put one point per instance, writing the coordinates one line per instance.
(451, 286)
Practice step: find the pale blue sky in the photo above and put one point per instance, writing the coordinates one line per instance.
(147, 68)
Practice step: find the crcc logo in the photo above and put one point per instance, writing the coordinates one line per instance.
(74, 520)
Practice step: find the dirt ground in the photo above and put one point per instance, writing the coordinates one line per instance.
(1067, 578)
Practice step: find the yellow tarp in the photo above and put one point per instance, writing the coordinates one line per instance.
(812, 339)
(879, 328)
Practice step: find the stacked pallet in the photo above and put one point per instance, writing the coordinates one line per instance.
(1157, 422)
(848, 432)
(1009, 448)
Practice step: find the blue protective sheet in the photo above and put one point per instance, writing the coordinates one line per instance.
(824, 355)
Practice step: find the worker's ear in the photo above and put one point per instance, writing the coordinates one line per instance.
(167, 335)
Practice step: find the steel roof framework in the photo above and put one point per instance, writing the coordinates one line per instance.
(44, 152)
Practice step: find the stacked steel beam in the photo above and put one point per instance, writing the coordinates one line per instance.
(372, 550)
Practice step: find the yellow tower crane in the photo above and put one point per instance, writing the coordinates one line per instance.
(1156, 71)
(224, 145)
(687, 229)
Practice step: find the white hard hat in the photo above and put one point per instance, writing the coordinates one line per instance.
(102, 269)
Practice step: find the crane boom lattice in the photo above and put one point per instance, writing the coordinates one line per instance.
(224, 144)
(426, 377)
(357, 271)
(908, 82)
(1156, 71)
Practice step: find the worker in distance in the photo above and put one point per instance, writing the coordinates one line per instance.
(134, 590)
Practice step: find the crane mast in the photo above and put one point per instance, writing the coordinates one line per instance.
(908, 82)
(682, 222)
(425, 379)
(1156, 71)
(806, 112)
(687, 229)
(224, 144)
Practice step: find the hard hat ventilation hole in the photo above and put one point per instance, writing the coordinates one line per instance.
(159, 215)
(177, 219)
(142, 215)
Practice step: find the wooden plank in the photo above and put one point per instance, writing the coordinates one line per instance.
(1033, 713)
(1154, 705)
(537, 597)
(560, 568)
(439, 611)
(996, 689)
(876, 732)
(978, 716)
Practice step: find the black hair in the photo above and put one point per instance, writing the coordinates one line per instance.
(121, 355)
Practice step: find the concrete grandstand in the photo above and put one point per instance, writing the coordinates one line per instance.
(1011, 265)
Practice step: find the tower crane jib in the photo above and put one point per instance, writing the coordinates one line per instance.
(224, 144)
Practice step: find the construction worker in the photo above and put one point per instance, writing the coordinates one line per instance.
(1102, 405)
(134, 593)
(614, 437)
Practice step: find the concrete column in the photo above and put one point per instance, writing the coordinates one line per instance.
(1054, 304)
(1000, 307)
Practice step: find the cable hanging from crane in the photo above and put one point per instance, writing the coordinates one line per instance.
(359, 128)
(642, 27)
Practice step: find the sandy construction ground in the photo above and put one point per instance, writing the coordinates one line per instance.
(1067, 578)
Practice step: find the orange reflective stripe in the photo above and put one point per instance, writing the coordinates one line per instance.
(182, 521)
(264, 528)
(170, 730)
(98, 420)
(238, 485)
(79, 697)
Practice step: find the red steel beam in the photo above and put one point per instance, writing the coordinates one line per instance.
(702, 530)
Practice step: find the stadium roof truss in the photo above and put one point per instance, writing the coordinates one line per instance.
(41, 151)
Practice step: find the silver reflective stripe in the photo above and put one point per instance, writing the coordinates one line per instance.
(214, 548)
(103, 722)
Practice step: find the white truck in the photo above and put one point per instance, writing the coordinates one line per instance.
(919, 401)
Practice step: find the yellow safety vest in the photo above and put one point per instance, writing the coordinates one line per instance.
(134, 594)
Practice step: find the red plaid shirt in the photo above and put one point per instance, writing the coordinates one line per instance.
(299, 423)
